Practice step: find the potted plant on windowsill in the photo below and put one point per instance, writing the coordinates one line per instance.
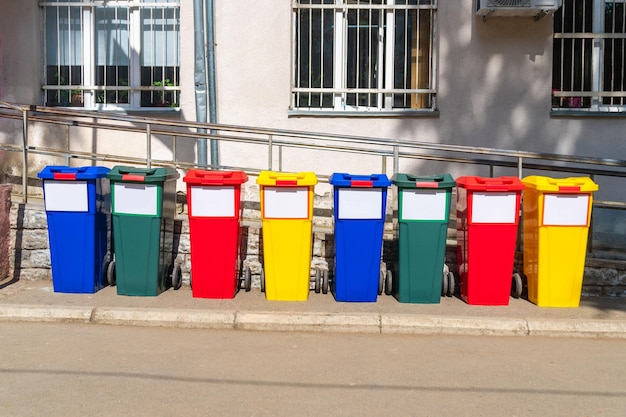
(161, 100)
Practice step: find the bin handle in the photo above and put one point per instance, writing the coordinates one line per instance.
(495, 183)
(413, 178)
(67, 170)
(213, 174)
(287, 177)
(139, 171)
(213, 178)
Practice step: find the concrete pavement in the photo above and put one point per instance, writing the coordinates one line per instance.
(36, 301)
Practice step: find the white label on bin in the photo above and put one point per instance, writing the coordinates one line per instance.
(565, 210)
(286, 202)
(134, 198)
(424, 204)
(496, 207)
(212, 201)
(360, 203)
(66, 196)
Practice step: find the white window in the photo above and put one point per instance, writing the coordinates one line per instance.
(112, 54)
(589, 70)
(364, 55)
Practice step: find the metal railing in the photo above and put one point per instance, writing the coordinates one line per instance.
(276, 142)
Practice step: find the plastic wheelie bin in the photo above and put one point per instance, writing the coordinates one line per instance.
(287, 228)
(214, 210)
(556, 215)
(144, 207)
(487, 225)
(78, 208)
(423, 217)
(359, 211)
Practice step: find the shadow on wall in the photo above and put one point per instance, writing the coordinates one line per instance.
(494, 86)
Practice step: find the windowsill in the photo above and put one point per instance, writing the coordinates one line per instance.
(586, 113)
(141, 111)
(372, 114)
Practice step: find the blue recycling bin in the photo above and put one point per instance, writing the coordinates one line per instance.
(359, 213)
(77, 202)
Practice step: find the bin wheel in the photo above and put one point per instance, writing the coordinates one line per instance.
(381, 282)
(451, 284)
(262, 280)
(445, 282)
(318, 280)
(389, 283)
(246, 282)
(177, 277)
(516, 288)
(111, 279)
(325, 283)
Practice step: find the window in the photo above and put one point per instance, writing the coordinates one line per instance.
(589, 67)
(113, 54)
(364, 55)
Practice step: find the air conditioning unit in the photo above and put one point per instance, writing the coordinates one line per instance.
(516, 7)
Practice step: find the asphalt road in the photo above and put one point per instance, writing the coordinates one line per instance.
(82, 370)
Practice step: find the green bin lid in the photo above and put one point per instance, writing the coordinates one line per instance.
(146, 175)
(429, 181)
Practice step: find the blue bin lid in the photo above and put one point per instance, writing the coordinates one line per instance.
(340, 179)
(60, 172)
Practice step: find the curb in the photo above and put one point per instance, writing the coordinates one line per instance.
(467, 326)
(368, 323)
(45, 313)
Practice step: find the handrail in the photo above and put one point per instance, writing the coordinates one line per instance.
(282, 138)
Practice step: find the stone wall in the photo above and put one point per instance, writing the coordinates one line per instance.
(30, 257)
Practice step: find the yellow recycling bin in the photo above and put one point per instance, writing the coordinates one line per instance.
(287, 214)
(555, 225)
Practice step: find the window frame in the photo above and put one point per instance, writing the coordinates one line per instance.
(575, 99)
(89, 88)
(384, 90)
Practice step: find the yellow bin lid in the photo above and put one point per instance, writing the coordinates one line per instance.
(561, 185)
(286, 179)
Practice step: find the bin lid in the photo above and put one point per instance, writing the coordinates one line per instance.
(430, 181)
(490, 184)
(203, 177)
(59, 172)
(561, 185)
(286, 179)
(341, 179)
(147, 175)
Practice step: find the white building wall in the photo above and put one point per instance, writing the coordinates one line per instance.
(494, 85)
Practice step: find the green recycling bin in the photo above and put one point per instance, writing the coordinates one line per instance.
(143, 211)
(423, 216)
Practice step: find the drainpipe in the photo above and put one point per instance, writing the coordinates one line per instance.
(200, 76)
(210, 39)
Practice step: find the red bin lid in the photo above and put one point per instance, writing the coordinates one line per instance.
(490, 184)
(204, 177)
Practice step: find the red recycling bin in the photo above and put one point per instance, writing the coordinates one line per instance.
(214, 210)
(487, 225)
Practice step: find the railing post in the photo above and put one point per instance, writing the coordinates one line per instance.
(149, 146)
(269, 152)
(25, 156)
(280, 158)
(396, 159)
(519, 167)
(175, 160)
(67, 145)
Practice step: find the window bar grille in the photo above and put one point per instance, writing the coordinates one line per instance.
(415, 74)
(406, 57)
(310, 56)
(164, 76)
